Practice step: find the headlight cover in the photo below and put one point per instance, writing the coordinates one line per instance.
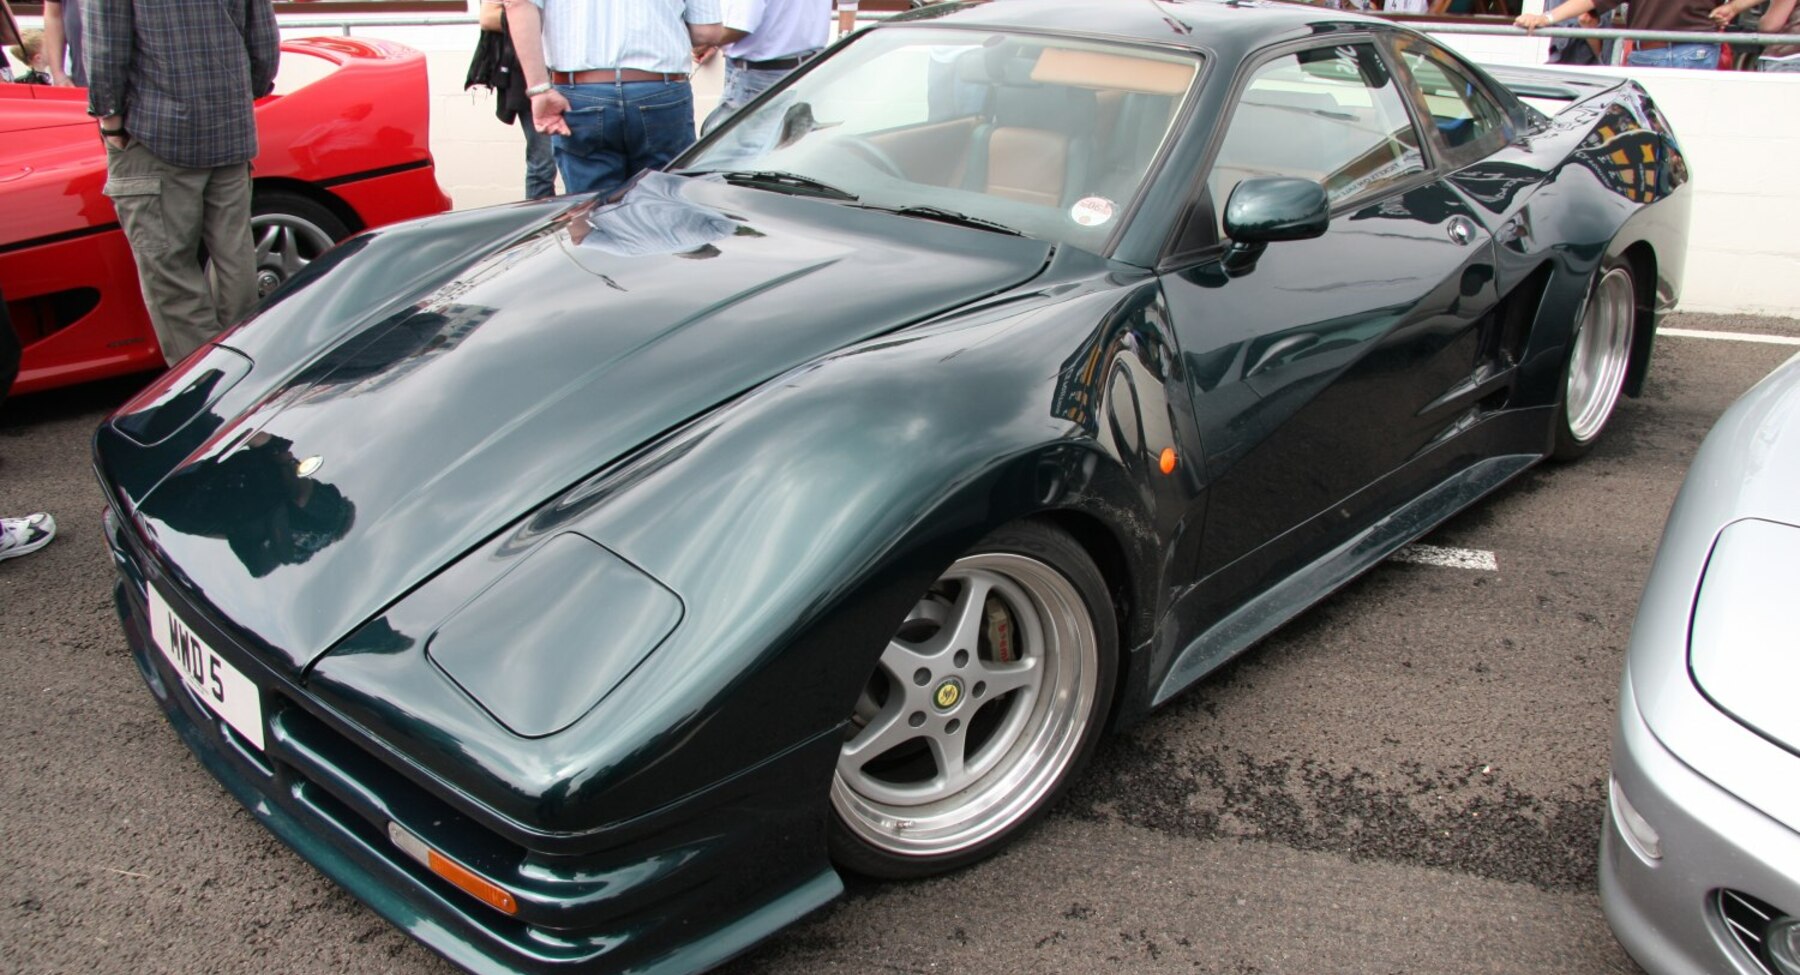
(544, 644)
(1743, 645)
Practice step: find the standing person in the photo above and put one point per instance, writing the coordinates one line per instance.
(1689, 15)
(1782, 17)
(496, 66)
(763, 40)
(174, 84)
(609, 80)
(30, 52)
(1582, 50)
(62, 36)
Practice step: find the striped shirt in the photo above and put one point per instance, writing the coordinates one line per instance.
(650, 35)
(185, 74)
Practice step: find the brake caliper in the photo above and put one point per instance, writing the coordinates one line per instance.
(998, 631)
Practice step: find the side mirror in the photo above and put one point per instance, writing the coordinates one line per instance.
(1270, 209)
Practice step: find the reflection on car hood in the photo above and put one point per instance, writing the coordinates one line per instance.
(413, 437)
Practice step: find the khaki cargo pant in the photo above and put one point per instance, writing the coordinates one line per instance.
(168, 211)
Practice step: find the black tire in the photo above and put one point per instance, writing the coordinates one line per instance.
(903, 802)
(1598, 361)
(289, 231)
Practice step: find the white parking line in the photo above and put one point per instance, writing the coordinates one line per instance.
(1700, 333)
(1449, 558)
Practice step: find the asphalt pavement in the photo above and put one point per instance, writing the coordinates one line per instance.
(1409, 778)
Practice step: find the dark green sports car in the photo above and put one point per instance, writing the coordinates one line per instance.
(585, 583)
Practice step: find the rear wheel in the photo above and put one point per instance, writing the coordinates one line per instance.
(290, 232)
(989, 697)
(1599, 357)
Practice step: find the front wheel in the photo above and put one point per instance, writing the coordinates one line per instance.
(1599, 357)
(989, 697)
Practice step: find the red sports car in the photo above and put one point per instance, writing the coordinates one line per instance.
(344, 148)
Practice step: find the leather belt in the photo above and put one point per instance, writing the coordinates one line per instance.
(607, 76)
(776, 64)
(1651, 45)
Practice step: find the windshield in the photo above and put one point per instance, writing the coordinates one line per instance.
(1049, 137)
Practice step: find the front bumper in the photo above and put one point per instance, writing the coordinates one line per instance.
(1667, 912)
(680, 894)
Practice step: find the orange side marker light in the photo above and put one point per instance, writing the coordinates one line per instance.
(1167, 462)
(464, 878)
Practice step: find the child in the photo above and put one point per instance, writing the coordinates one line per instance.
(30, 52)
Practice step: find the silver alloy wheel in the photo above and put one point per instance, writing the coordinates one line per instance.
(1601, 355)
(285, 243)
(979, 706)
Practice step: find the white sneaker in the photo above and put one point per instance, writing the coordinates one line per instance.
(22, 536)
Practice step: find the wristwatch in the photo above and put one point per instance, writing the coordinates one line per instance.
(536, 90)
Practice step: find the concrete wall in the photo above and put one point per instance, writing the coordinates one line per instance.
(1738, 129)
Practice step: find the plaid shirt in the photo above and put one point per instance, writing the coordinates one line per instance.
(185, 74)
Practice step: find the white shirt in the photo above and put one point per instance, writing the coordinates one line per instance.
(777, 28)
(650, 35)
(1407, 6)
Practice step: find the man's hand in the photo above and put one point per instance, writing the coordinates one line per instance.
(1723, 14)
(1531, 21)
(704, 52)
(547, 113)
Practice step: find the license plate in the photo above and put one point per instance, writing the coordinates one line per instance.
(221, 687)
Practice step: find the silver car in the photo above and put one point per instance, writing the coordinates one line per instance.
(1700, 860)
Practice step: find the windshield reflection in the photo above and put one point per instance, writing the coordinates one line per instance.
(1051, 136)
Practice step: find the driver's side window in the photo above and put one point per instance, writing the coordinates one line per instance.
(1330, 114)
(1467, 119)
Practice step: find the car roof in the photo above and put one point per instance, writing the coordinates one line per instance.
(1218, 25)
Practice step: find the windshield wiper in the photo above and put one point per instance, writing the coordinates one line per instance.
(946, 216)
(777, 179)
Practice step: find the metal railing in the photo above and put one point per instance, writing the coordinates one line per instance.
(344, 25)
(1609, 34)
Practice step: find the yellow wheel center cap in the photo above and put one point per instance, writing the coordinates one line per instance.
(947, 694)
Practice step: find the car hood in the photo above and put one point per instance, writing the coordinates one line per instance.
(408, 436)
(1740, 644)
(1711, 653)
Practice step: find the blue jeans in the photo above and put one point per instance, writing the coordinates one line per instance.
(540, 162)
(617, 129)
(1703, 56)
(742, 85)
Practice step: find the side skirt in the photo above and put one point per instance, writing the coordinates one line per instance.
(1285, 600)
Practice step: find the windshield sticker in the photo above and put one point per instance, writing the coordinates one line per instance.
(1091, 211)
